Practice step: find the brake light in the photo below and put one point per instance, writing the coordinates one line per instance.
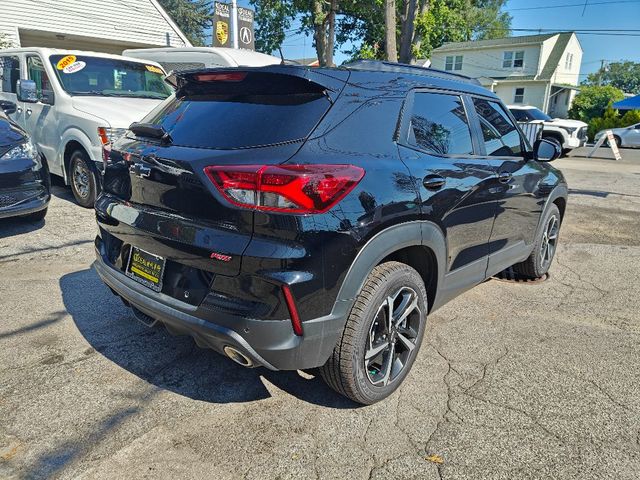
(285, 188)
(221, 77)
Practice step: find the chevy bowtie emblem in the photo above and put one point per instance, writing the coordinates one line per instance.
(140, 170)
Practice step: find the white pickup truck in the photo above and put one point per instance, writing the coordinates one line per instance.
(569, 134)
(72, 103)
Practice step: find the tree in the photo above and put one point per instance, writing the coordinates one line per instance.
(592, 101)
(390, 48)
(192, 16)
(4, 41)
(424, 25)
(317, 18)
(419, 25)
(624, 75)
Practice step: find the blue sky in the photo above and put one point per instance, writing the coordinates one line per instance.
(549, 14)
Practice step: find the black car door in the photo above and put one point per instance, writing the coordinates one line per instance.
(516, 184)
(437, 146)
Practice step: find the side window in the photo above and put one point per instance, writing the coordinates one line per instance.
(37, 73)
(9, 73)
(439, 125)
(520, 115)
(500, 135)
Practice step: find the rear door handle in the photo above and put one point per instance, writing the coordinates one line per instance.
(504, 177)
(433, 182)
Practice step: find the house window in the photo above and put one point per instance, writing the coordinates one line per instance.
(511, 59)
(453, 62)
(568, 61)
(519, 95)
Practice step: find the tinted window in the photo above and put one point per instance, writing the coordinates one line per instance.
(240, 120)
(520, 115)
(110, 77)
(439, 124)
(36, 72)
(501, 136)
(9, 74)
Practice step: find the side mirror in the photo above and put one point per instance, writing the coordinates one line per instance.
(546, 151)
(8, 107)
(27, 91)
(47, 97)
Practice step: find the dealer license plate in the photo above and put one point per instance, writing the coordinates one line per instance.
(146, 268)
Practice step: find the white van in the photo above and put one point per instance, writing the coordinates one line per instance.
(188, 58)
(74, 102)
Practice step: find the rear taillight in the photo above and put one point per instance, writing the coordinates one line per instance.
(285, 188)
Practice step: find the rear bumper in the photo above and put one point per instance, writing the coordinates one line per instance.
(27, 202)
(268, 343)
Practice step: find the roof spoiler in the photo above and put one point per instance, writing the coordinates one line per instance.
(259, 80)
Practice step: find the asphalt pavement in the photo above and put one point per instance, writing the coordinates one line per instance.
(513, 381)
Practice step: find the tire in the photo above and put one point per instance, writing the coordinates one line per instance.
(544, 248)
(36, 216)
(367, 332)
(83, 179)
(617, 140)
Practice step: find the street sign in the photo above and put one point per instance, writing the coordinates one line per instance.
(221, 25)
(612, 144)
(246, 37)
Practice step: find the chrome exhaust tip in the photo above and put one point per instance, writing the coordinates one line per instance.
(237, 356)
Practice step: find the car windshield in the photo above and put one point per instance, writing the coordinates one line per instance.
(538, 114)
(109, 77)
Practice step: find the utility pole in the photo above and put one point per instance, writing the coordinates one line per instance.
(603, 65)
(234, 22)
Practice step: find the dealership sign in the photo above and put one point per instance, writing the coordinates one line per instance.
(222, 26)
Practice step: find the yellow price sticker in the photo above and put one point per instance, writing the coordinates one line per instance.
(154, 69)
(65, 61)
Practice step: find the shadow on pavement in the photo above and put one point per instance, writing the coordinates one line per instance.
(18, 225)
(175, 363)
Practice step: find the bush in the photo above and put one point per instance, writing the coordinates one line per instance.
(591, 102)
(611, 119)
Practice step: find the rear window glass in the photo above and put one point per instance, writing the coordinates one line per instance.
(245, 117)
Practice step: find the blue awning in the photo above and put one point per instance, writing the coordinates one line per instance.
(631, 103)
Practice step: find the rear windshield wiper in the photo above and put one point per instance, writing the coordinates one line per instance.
(150, 130)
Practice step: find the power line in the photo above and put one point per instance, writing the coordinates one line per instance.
(571, 5)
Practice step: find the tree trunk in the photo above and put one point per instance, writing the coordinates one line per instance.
(319, 36)
(390, 30)
(408, 20)
(331, 34)
(417, 39)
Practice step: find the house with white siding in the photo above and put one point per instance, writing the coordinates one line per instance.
(538, 70)
(109, 26)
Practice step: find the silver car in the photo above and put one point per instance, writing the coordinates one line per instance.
(625, 137)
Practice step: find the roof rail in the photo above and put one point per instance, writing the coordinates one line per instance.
(382, 66)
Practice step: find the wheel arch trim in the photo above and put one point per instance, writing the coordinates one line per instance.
(380, 246)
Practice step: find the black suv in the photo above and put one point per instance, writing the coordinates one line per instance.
(295, 218)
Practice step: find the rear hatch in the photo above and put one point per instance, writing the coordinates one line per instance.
(157, 195)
